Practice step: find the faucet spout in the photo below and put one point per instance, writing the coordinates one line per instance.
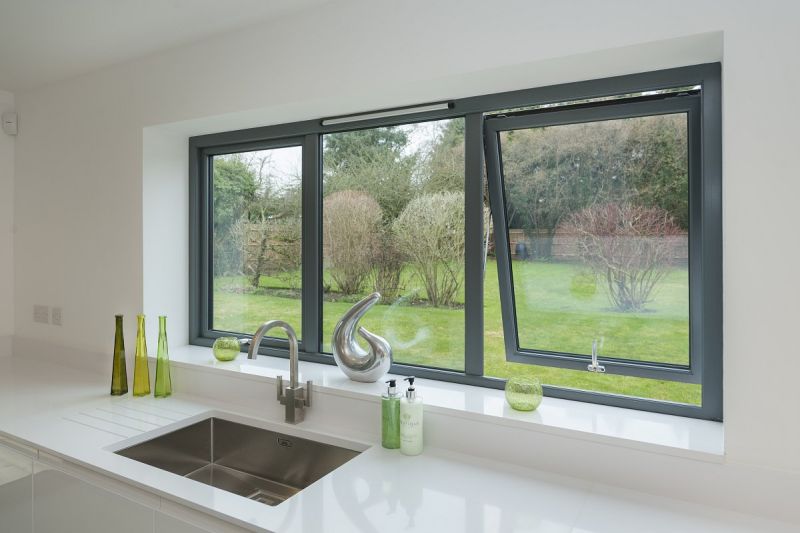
(295, 397)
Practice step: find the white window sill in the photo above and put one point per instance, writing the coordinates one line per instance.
(653, 432)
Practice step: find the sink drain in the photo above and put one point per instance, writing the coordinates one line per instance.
(265, 497)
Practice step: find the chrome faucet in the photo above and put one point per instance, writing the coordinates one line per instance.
(295, 397)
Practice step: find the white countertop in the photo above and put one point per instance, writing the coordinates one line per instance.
(653, 432)
(70, 415)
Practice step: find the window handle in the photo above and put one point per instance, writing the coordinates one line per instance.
(595, 365)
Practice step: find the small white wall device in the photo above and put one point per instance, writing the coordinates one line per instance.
(10, 123)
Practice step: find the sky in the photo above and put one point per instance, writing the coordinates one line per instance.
(283, 166)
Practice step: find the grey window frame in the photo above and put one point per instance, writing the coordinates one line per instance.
(688, 104)
(706, 305)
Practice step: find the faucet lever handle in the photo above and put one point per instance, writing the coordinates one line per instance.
(279, 383)
(307, 395)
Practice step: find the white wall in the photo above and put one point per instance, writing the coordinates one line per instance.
(6, 230)
(79, 175)
(165, 228)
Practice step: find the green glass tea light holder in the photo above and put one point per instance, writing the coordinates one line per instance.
(163, 387)
(524, 393)
(227, 348)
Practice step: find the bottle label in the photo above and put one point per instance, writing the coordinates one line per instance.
(408, 421)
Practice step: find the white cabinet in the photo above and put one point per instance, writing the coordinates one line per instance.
(168, 524)
(54, 496)
(16, 472)
(179, 519)
(64, 503)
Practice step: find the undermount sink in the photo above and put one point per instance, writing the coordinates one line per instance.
(259, 464)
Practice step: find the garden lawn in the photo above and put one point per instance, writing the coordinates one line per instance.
(559, 308)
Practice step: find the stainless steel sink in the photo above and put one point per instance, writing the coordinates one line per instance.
(256, 463)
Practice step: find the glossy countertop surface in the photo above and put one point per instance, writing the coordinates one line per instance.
(69, 414)
(642, 430)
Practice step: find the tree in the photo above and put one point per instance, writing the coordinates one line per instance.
(550, 172)
(373, 161)
(631, 246)
(273, 247)
(444, 159)
(350, 222)
(256, 217)
(345, 150)
(430, 232)
(235, 189)
(658, 164)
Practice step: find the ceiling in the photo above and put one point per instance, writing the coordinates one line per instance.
(43, 41)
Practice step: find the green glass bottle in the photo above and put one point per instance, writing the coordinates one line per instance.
(163, 380)
(141, 372)
(119, 372)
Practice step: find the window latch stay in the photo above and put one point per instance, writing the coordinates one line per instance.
(595, 365)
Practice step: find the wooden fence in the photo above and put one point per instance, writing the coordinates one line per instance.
(564, 247)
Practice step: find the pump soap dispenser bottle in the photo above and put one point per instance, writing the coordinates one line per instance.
(390, 417)
(411, 421)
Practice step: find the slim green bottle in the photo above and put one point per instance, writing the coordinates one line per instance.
(119, 372)
(390, 417)
(163, 380)
(141, 372)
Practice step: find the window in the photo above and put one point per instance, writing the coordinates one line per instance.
(256, 238)
(393, 222)
(595, 240)
(516, 233)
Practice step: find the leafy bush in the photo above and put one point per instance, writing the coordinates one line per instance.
(350, 221)
(630, 246)
(430, 232)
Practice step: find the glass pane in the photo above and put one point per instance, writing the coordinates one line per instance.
(495, 364)
(393, 222)
(256, 239)
(598, 217)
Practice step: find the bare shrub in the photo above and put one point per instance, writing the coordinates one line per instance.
(350, 221)
(261, 255)
(389, 263)
(285, 251)
(430, 231)
(268, 247)
(628, 245)
(229, 250)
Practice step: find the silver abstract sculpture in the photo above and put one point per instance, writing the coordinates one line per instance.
(355, 362)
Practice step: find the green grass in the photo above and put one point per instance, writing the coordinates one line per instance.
(562, 308)
(559, 306)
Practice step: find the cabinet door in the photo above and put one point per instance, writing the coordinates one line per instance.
(191, 521)
(64, 503)
(16, 473)
(168, 524)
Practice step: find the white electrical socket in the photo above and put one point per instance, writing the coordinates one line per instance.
(9, 121)
(41, 314)
(55, 316)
